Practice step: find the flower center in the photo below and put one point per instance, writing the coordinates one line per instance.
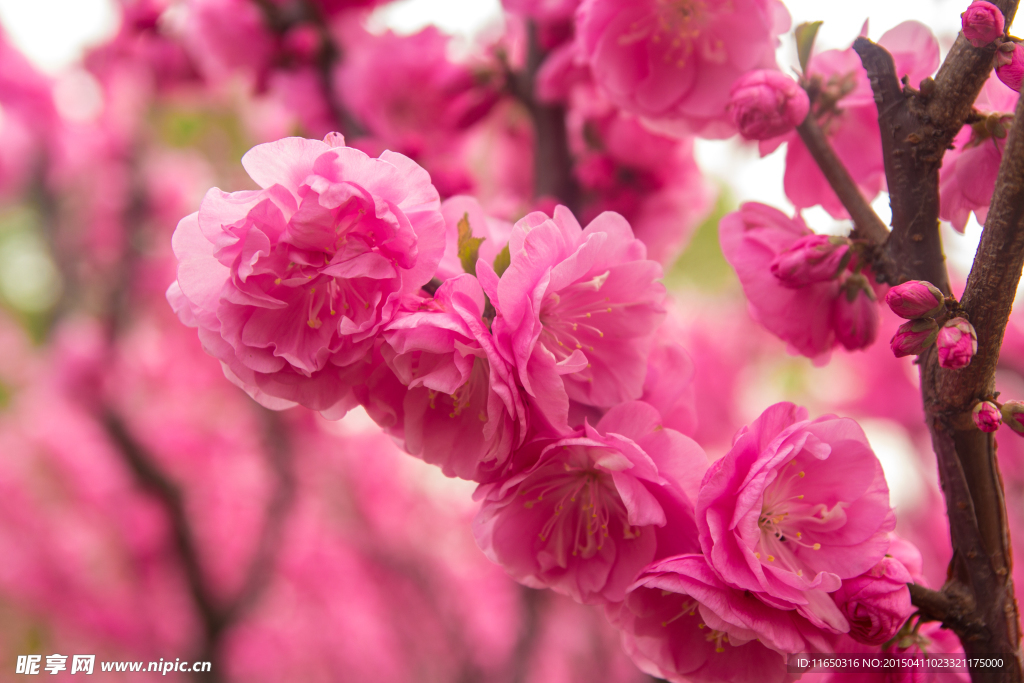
(784, 519)
(674, 24)
(583, 504)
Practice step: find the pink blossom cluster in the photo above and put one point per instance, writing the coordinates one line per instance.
(539, 372)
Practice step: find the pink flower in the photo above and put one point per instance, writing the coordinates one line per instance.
(674, 64)
(916, 299)
(855, 314)
(986, 416)
(967, 178)
(577, 310)
(681, 622)
(794, 508)
(493, 231)
(1013, 415)
(957, 343)
(1011, 70)
(982, 23)
(766, 103)
(463, 410)
(877, 602)
(227, 38)
(812, 259)
(752, 239)
(913, 337)
(596, 507)
(290, 285)
(850, 119)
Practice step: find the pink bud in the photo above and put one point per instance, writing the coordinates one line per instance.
(811, 259)
(1013, 415)
(877, 602)
(916, 299)
(982, 23)
(957, 343)
(986, 416)
(912, 338)
(855, 314)
(765, 104)
(1011, 67)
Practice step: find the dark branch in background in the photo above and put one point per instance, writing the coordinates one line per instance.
(917, 127)
(280, 19)
(533, 602)
(215, 617)
(552, 160)
(868, 224)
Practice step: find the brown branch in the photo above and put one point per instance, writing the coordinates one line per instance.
(552, 160)
(867, 223)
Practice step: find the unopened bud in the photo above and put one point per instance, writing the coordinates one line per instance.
(765, 104)
(811, 259)
(986, 416)
(914, 337)
(1011, 67)
(982, 23)
(855, 314)
(957, 343)
(916, 299)
(1013, 415)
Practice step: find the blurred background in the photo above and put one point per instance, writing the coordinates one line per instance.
(149, 509)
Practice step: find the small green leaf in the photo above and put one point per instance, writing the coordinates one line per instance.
(502, 261)
(469, 246)
(805, 34)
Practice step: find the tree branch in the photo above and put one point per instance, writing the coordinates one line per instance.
(867, 223)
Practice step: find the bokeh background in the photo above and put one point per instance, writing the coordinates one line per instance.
(149, 509)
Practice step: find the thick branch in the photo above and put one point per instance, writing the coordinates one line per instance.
(868, 224)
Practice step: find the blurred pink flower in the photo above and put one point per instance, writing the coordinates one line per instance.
(228, 38)
(794, 508)
(854, 315)
(290, 285)
(673, 65)
(577, 310)
(1011, 68)
(596, 507)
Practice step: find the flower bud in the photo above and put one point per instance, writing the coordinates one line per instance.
(1011, 67)
(986, 416)
(855, 314)
(957, 343)
(916, 299)
(811, 259)
(1013, 415)
(982, 23)
(765, 104)
(914, 337)
(877, 602)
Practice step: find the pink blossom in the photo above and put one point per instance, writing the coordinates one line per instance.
(1011, 70)
(986, 416)
(494, 232)
(855, 314)
(1012, 412)
(596, 507)
(669, 384)
(463, 410)
(916, 299)
(291, 284)
(851, 120)
(877, 602)
(914, 337)
(957, 343)
(812, 259)
(674, 65)
(542, 10)
(982, 23)
(794, 508)
(228, 38)
(752, 239)
(967, 178)
(681, 622)
(766, 103)
(577, 310)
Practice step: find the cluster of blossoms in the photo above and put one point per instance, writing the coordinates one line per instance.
(533, 369)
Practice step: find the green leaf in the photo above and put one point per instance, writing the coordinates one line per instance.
(502, 261)
(805, 34)
(469, 246)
